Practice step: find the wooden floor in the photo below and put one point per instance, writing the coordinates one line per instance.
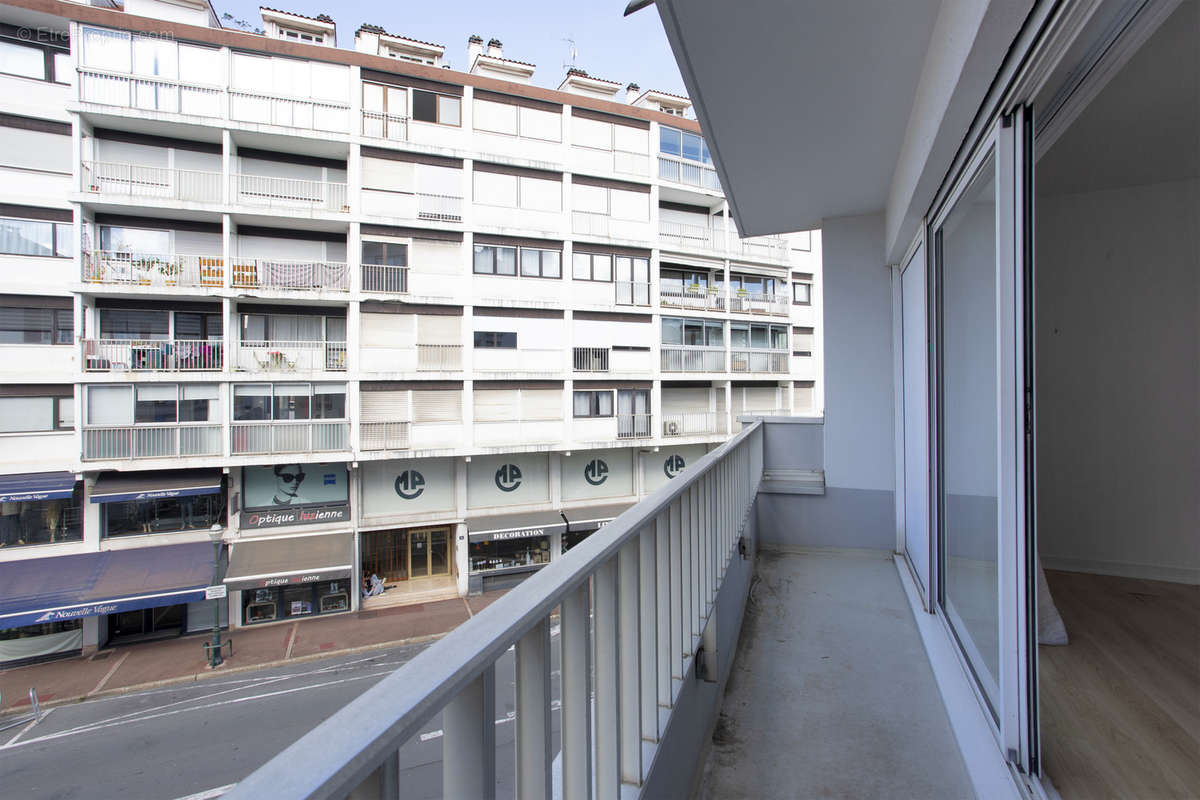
(1120, 705)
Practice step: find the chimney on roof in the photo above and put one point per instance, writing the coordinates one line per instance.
(324, 18)
(631, 92)
(495, 49)
(474, 49)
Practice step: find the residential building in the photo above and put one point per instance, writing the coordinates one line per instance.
(351, 311)
(977, 575)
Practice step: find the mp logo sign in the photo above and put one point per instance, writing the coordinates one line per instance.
(596, 472)
(410, 484)
(673, 465)
(508, 478)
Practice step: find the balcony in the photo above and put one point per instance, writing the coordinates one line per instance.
(381, 125)
(151, 441)
(269, 438)
(117, 180)
(439, 207)
(384, 279)
(146, 355)
(763, 361)
(693, 423)
(684, 236)
(768, 248)
(384, 435)
(751, 303)
(591, 359)
(306, 114)
(150, 94)
(635, 426)
(153, 269)
(439, 357)
(288, 194)
(262, 273)
(689, 173)
(692, 359)
(695, 298)
(290, 356)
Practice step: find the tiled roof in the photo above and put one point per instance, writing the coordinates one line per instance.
(665, 94)
(583, 74)
(319, 18)
(366, 26)
(509, 60)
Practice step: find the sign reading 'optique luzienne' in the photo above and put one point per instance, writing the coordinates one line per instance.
(295, 516)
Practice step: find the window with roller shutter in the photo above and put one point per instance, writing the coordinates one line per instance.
(437, 406)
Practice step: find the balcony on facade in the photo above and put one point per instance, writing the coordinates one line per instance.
(140, 338)
(693, 423)
(674, 169)
(158, 270)
(124, 422)
(278, 418)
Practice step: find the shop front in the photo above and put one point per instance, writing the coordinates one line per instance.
(583, 522)
(504, 550)
(292, 577)
(40, 508)
(136, 591)
(142, 503)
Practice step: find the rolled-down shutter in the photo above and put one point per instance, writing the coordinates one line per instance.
(496, 405)
(391, 406)
(441, 405)
(762, 398)
(386, 330)
(738, 401)
(677, 401)
(438, 330)
(802, 340)
(541, 404)
(804, 395)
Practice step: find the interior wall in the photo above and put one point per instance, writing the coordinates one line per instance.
(1118, 349)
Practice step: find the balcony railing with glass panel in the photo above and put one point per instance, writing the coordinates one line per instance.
(116, 443)
(151, 355)
(150, 93)
(152, 269)
(288, 194)
(439, 357)
(289, 112)
(290, 356)
(160, 183)
(270, 273)
(267, 438)
(686, 236)
(766, 361)
(690, 173)
(741, 302)
(693, 423)
(676, 358)
(698, 298)
(384, 278)
(381, 125)
(383, 435)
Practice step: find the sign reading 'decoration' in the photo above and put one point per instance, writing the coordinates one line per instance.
(295, 494)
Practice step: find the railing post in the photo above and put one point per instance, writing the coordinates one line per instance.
(576, 698)
(469, 738)
(648, 616)
(629, 636)
(382, 784)
(534, 751)
(663, 634)
(608, 715)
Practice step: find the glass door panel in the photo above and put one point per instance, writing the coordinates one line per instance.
(439, 552)
(915, 368)
(418, 548)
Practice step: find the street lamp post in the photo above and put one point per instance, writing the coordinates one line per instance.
(214, 651)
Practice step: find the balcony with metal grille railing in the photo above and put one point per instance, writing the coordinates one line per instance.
(307, 436)
(151, 355)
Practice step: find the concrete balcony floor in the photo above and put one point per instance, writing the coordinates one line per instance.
(831, 694)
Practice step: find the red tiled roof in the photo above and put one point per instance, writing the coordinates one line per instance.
(325, 18)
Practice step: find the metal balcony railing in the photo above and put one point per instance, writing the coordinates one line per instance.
(384, 278)
(758, 361)
(381, 125)
(632, 293)
(678, 170)
(591, 359)
(751, 303)
(288, 193)
(635, 426)
(159, 183)
(149, 94)
(439, 207)
(152, 269)
(772, 248)
(290, 356)
(693, 359)
(439, 357)
(634, 604)
(698, 298)
(692, 237)
(383, 435)
(111, 443)
(289, 112)
(151, 355)
(693, 423)
(265, 438)
(264, 273)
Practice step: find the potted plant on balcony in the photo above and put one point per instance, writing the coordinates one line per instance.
(169, 270)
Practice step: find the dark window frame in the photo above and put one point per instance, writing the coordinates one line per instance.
(495, 340)
(437, 106)
(594, 411)
(61, 330)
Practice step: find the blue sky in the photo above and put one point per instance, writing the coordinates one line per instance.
(609, 46)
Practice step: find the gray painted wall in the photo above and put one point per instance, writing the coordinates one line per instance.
(1119, 380)
(841, 518)
(859, 416)
(794, 445)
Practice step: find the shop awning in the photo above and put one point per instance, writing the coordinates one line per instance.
(90, 584)
(515, 526)
(286, 561)
(113, 487)
(36, 486)
(583, 519)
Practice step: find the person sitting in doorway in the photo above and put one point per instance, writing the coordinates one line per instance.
(372, 585)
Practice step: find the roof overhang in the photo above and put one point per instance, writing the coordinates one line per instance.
(844, 108)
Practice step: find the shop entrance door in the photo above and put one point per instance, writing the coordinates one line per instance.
(385, 553)
(429, 552)
(147, 623)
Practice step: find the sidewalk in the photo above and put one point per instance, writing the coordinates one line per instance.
(140, 666)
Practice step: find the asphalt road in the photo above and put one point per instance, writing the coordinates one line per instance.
(195, 740)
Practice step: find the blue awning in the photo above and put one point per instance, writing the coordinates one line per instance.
(90, 584)
(114, 487)
(36, 486)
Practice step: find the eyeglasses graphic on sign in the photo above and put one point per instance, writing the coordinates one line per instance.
(288, 478)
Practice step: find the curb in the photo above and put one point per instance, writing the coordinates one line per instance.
(196, 677)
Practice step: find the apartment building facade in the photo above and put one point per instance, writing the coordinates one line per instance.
(347, 313)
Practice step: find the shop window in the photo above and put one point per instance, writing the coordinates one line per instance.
(29, 522)
(572, 538)
(510, 553)
(164, 515)
(284, 602)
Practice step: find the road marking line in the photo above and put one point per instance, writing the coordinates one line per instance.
(208, 794)
(25, 729)
(291, 641)
(108, 674)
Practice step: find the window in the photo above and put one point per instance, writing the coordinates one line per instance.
(381, 99)
(27, 237)
(284, 402)
(195, 326)
(494, 339)
(251, 402)
(385, 253)
(494, 260)
(121, 323)
(156, 403)
(592, 267)
(537, 263)
(197, 402)
(761, 337)
(36, 414)
(802, 341)
(757, 285)
(517, 191)
(196, 513)
(23, 60)
(20, 325)
(593, 404)
(669, 141)
(329, 402)
(801, 293)
(26, 522)
(149, 404)
(438, 108)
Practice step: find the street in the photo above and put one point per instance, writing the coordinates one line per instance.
(194, 741)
